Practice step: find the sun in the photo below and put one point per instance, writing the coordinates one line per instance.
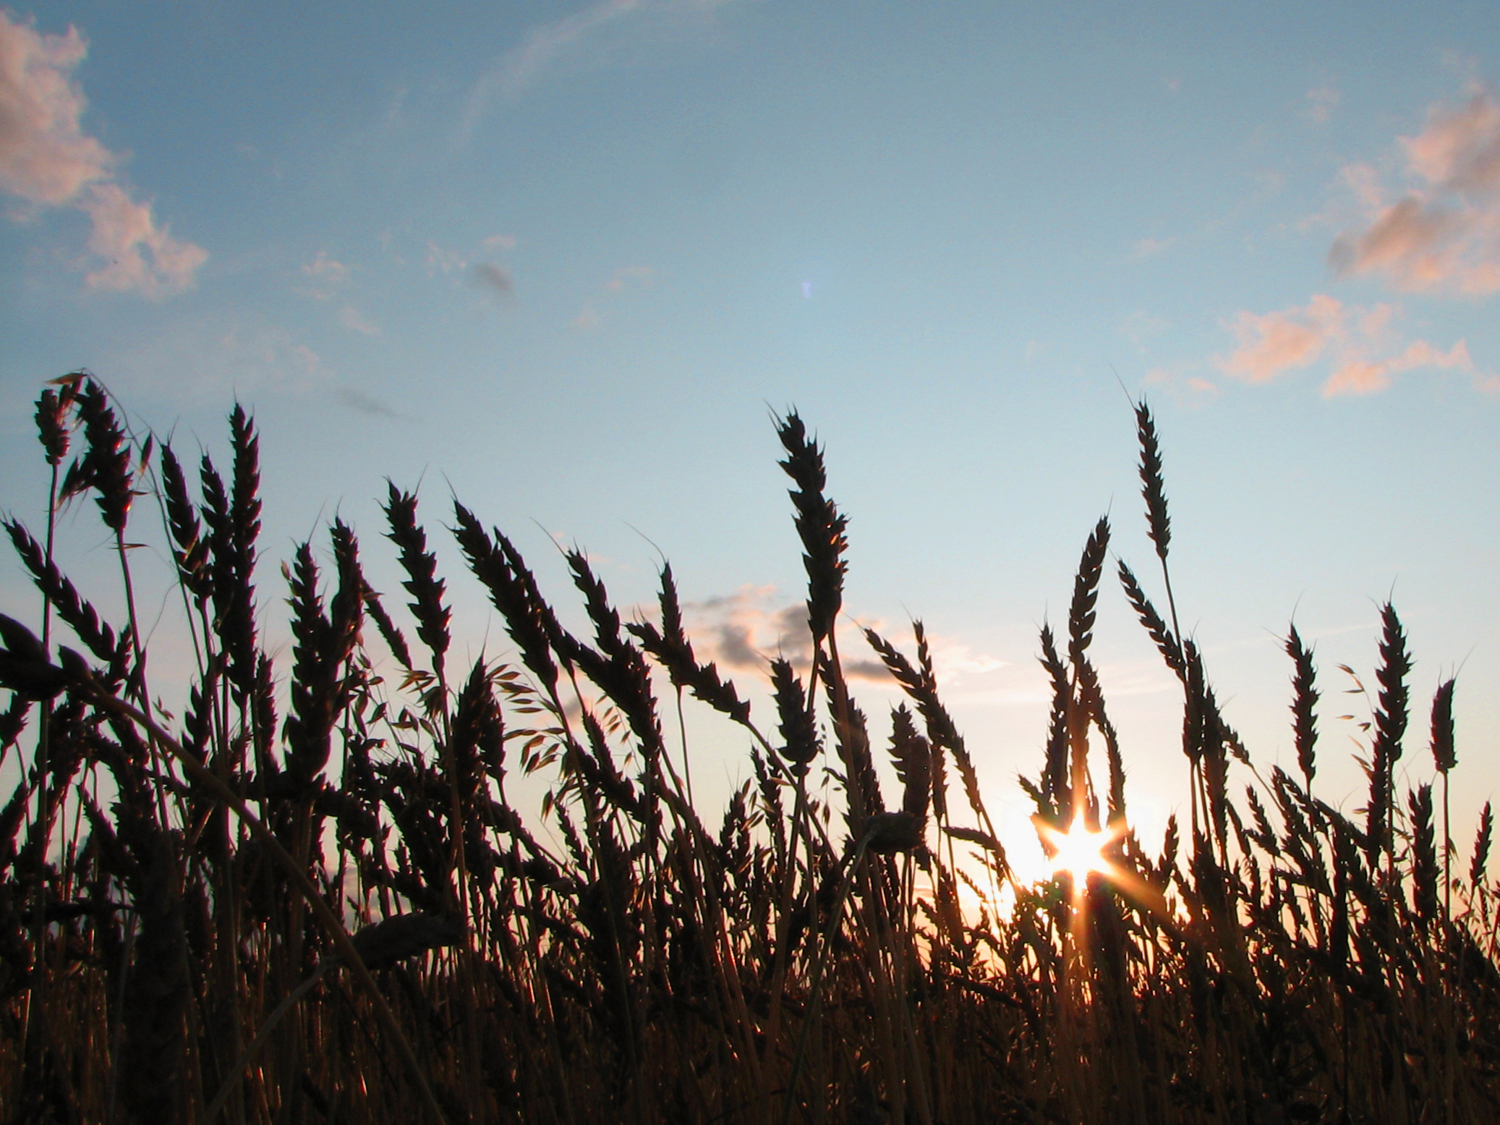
(1078, 852)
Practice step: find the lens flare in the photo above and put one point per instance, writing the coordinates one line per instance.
(1078, 852)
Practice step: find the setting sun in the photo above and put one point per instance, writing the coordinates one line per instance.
(1078, 851)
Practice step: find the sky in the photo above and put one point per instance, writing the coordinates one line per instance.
(567, 261)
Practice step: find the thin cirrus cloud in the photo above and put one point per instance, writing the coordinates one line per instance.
(47, 160)
(1442, 235)
(604, 31)
(1363, 349)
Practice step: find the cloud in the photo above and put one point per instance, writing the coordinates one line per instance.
(356, 400)
(587, 321)
(1362, 345)
(499, 242)
(47, 160)
(441, 260)
(351, 318)
(326, 275)
(1278, 342)
(44, 156)
(484, 275)
(745, 630)
(139, 256)
(630, 276)
(602, 32)
(1443, 234)
(1191, 391)
(1362, 377)
(1150, 247)
(1321, 102)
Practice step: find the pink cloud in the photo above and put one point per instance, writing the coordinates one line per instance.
(1278, 342)
(1363, 346)
(44, 156)
(1459, 150)
(1443, 234)
(1364, 377)
(47, 160)
(140, 256)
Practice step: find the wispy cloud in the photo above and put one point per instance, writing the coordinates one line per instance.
(629, 277)
(47, 160)
(362, 403)
(1320, 104)
(324, 276)
(440, 259)
(1442, 235)
(1150, 247)
(1192, 391)
(745, 630)
(487, 275)
(601, 32)
(352, 319)
(1361, 347)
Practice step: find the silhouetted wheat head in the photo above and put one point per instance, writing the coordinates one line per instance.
(307, 895)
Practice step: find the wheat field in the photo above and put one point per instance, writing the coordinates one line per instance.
(303, 893)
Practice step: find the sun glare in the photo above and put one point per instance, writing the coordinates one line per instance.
(1079, 851)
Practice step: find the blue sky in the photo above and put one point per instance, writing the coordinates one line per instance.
(564, 258)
